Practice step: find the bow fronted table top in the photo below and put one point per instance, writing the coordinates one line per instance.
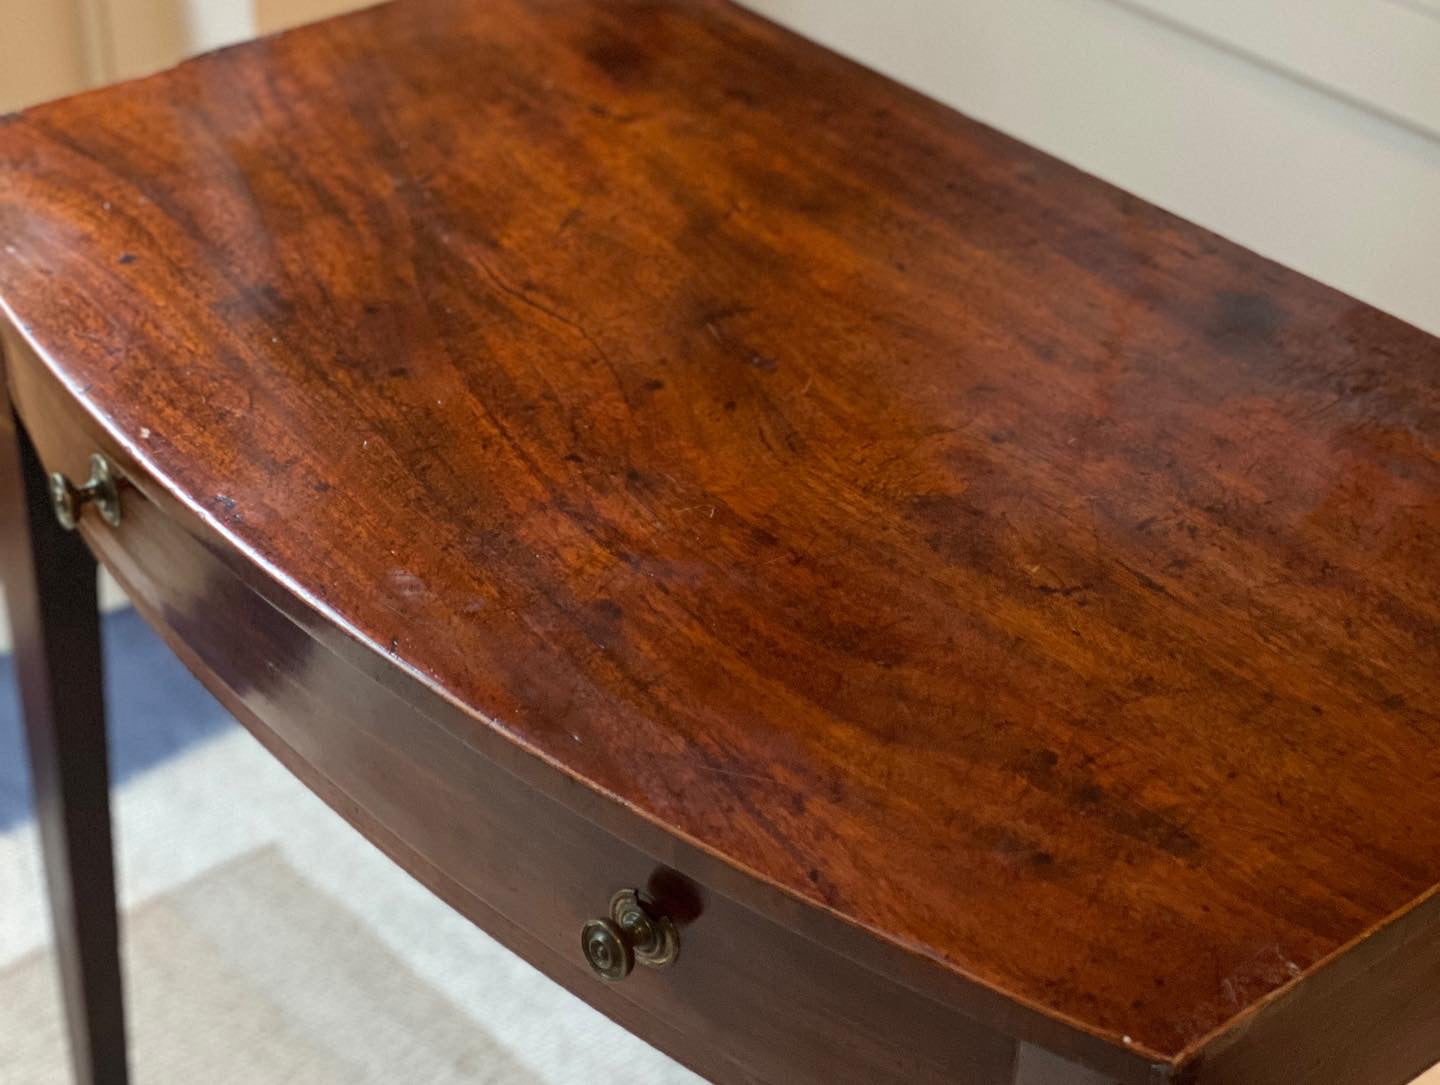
(1040, 584)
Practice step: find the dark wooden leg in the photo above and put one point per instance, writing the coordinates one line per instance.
(51, 592)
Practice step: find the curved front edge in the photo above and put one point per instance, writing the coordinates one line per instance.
(765, 990)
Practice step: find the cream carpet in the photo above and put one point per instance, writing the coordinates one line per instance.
(221, 992)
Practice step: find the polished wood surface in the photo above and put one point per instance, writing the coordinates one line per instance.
(50, 597)
(1009, 587)
(753, 1002)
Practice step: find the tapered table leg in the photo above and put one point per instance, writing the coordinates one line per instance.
(51, 593)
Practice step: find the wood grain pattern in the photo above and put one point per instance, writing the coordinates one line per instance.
(966, 555)
(755, 1002)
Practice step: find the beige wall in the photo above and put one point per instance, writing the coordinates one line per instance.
(141, 36)
(272, 15)
(42, 51)
(49, 48)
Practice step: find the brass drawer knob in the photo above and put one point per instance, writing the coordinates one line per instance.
(69, 500)
(632, 933)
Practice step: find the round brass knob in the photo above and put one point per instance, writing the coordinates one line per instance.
(69, 501)
(633, 934)
(609, 955)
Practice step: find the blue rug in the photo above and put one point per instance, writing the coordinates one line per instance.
(156, 710)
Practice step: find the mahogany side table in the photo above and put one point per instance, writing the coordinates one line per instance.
(853, 598)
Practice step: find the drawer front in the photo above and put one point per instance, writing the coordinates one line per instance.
(747, 999)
